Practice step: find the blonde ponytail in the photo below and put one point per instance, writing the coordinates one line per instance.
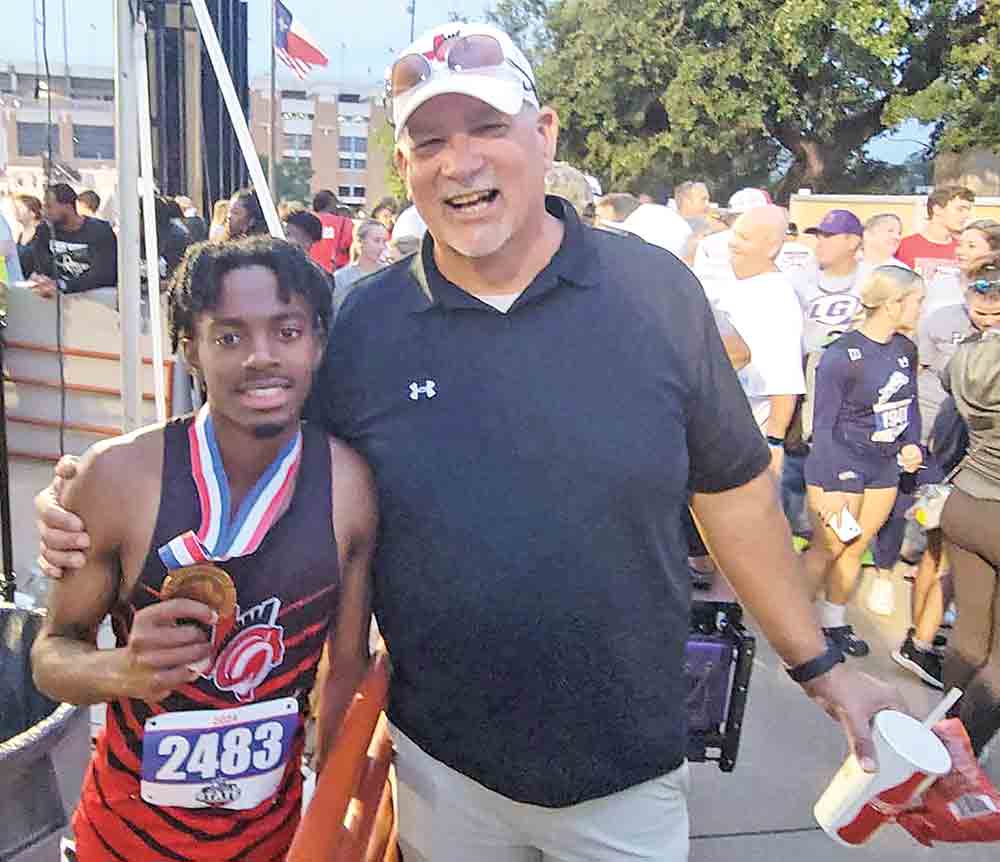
(886, 284)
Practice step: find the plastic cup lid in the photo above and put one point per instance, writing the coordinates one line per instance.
(913, 741)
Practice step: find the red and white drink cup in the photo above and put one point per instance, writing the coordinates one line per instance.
(856, 804)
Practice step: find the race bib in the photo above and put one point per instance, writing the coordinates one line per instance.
(891, 420)
(212, 758)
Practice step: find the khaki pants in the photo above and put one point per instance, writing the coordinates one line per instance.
(446, 817)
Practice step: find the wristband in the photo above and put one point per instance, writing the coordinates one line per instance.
(809, 670)
(775, 441)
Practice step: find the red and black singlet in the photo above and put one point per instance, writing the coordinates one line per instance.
(286, 593)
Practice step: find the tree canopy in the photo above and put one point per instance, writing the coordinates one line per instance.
(654, 91)
(964, 101)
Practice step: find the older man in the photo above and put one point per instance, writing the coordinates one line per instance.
(711, 261)
(537, 400)
(693, 200)
(766, 312)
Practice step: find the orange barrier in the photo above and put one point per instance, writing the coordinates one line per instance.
(351, 817)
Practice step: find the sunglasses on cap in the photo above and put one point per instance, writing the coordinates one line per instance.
(476, 52)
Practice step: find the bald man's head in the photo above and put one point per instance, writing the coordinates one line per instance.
(757, 238)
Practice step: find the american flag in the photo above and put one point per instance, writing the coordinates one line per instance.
(293, 45)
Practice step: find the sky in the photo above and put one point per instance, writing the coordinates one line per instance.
(359, 46)
(361, 42)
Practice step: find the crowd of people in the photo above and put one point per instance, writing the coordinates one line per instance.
(849, 335)
(63, 244)
(851, 343)
(849, 331)
(537, 431)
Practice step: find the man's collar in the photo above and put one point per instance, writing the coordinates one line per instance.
(574, 263)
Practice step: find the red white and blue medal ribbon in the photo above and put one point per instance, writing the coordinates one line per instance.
(218, 537)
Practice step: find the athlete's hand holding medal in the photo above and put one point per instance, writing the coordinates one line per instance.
(171, 642)
(167, 648)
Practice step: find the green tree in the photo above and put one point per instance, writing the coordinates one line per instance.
(736, 90)
(964, 101)
(382, 139)
(292, 178)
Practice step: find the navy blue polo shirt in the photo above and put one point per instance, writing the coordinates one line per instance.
(530, 576)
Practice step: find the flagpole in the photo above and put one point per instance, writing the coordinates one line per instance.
(272, 138)
(127, 149)
(210, 39)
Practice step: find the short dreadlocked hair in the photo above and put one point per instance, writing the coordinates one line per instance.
(197, 284)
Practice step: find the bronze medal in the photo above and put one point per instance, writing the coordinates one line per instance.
(204, 583)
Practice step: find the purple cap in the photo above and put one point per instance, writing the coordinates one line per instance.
(839, 221)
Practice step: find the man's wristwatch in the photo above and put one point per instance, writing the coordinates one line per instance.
(818, 666)
(775, 442)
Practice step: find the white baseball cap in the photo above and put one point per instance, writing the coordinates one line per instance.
(476, 60)
(748, 199)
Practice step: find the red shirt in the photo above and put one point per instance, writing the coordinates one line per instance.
(916, 246)
(334, 249)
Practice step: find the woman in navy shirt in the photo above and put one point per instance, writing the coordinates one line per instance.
(866, 430)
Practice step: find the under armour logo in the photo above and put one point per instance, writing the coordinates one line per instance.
(416, 390)
(853, 354)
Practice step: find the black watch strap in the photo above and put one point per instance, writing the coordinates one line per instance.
(813, 668)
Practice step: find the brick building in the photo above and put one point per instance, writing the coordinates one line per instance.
(329, 124)
(325, 122)
(83, 128)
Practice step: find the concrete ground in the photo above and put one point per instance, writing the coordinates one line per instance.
(790, 750)
(762, 812)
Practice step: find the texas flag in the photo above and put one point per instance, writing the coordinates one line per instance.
(293, 45)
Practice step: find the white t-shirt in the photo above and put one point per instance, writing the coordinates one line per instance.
(766, 313)
(659, 225)
(712, 265)
(500, 301)
(409, 223)
(798, 262)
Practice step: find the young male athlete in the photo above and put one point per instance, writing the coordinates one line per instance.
(273, 522)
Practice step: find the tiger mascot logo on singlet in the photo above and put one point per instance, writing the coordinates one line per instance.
(252, 653)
